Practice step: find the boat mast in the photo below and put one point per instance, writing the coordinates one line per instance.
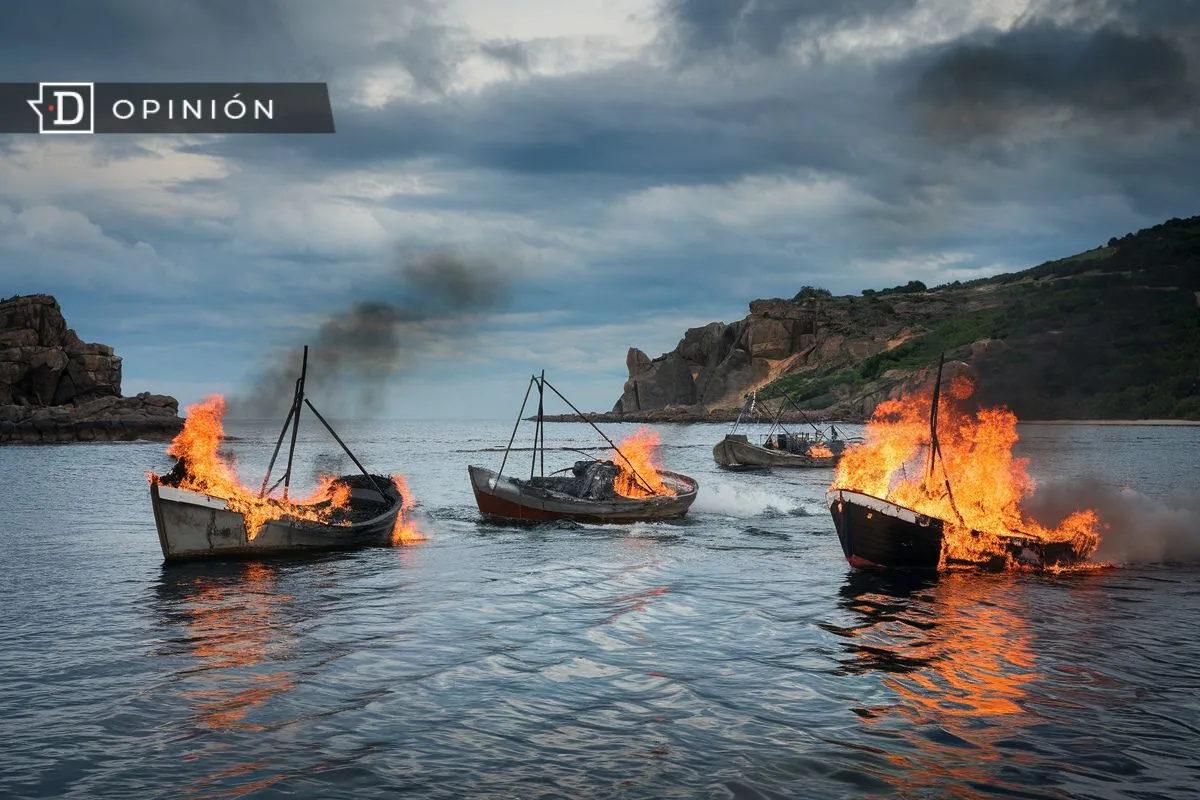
(935, 449)
(538, 430)
(293, 419)
(287, 476)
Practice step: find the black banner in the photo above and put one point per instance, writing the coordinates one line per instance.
(83, 108)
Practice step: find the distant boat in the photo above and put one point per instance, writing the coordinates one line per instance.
(878, 534)
(623, 490)
(779, 447)
(348, 512)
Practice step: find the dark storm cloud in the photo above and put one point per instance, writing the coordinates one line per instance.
(759, 27)
(629, 122)
(363, 345)
(1139, 69)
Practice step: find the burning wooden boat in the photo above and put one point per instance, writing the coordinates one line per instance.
(875, 533)
(779, 447)
(888, 519)
(628, 487)
(201, 509)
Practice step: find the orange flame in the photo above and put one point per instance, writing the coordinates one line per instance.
(641, 450)
(405, 530)
(988, 483)
(198, 447)
(819, 451)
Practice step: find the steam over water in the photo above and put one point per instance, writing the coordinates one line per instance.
(732, 655)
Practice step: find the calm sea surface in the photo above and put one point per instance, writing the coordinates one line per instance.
(732, 655)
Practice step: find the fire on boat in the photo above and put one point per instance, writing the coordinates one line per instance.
(909, 498)
(628, 486)
(202, 510)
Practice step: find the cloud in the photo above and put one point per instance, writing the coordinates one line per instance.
(1136, 69)
(759, 27)
(640, 166)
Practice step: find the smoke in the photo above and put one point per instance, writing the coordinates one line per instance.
(427, 300)
(1139, 529)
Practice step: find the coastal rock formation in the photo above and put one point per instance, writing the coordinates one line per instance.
(1110, 333)
(54, 387)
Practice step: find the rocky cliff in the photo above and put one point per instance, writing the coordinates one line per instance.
(1110, 333)
(54, 387)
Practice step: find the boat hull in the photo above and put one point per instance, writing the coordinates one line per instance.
(877, 534)
(736, 451)
(192, 525)
(503, 499)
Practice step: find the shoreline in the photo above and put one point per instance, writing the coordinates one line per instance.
(1141, 422)
(661, 417)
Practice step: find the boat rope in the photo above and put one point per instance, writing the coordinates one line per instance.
(511, 439)
(616, 449)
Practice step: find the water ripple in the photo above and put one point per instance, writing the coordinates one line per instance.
(732, 656)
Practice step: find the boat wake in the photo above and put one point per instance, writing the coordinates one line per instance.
(731, 500)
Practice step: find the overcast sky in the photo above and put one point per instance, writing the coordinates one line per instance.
(631, 168)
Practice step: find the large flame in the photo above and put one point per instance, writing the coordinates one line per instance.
(638, 476)
(405, 530)
(986, 482)
(198, 446)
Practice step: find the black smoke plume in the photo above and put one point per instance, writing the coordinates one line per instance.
(428, 300)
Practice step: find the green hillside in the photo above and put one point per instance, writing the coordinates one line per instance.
(1110, 333)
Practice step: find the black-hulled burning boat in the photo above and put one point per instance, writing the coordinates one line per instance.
(628, 487)
(877, 534)
(882, 533)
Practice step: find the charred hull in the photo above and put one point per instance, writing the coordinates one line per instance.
(193, 525)
(506, 499)
(877, 534)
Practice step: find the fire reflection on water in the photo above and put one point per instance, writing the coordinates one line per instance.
(957, 668)
(232, 630)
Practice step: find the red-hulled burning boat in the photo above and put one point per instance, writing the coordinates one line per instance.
(627, 487)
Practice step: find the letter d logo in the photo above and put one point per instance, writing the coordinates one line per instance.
(65, 107)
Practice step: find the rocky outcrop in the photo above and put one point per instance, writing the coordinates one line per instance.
(54, 387)
(712, 367)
